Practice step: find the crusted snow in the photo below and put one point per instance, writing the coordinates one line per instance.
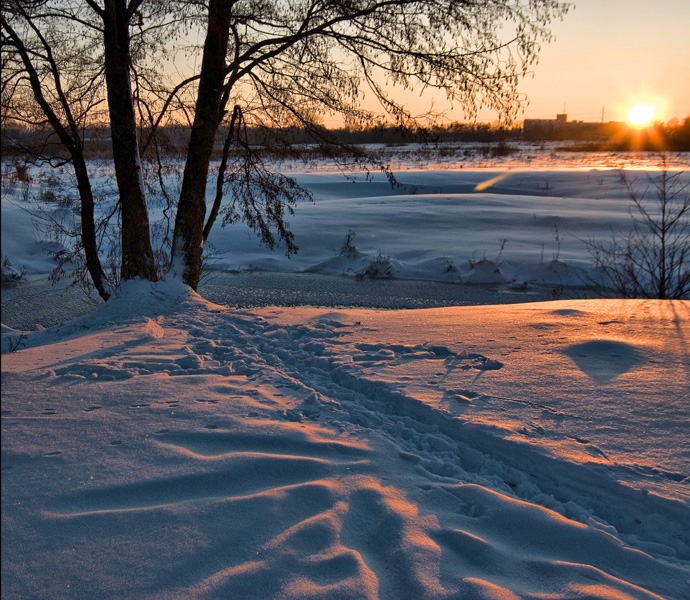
(164, 447)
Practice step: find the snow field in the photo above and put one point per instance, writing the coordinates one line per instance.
(163, 447)
(166, 447)
(508, 223)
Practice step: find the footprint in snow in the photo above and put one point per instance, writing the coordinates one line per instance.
(488, 364)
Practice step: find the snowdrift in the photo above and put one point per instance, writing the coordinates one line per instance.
(517, 224)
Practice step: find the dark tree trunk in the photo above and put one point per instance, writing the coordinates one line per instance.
(188, 240)
(88, 227)
(236, 116)
(137, 253)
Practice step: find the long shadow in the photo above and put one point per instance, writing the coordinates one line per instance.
(678, 321)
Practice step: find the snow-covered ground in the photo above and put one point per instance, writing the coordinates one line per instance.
(518, 221)
(163, 447)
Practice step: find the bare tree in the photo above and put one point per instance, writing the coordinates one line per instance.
(137, 254)
(263, 63)
(653, 259)
(45, 81)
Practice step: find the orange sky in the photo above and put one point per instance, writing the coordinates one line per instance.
(612, 54)
(608, 54)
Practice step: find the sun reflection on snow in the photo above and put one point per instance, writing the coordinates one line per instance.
(480, 187)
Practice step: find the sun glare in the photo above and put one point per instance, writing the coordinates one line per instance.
(641, 115)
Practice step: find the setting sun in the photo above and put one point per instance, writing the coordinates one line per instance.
(640, 115)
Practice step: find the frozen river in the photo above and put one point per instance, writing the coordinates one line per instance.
(38, 302)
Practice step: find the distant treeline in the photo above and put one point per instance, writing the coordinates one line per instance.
(614, 135)
(20, 141)
(172, 140)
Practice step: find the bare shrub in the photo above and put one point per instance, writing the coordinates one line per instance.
(15, 343)
(348, 248)
(9, 273)
(380, 267)
(653, 259)
(22, 172)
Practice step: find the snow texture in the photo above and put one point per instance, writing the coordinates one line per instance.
(518, 222)
(166, 447)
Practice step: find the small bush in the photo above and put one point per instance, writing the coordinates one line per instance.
(380, 267)
(22, 172)
(348, 248)
(474, 263)
(653, 260)
(10, 274)
(16, 342)
(47, 195)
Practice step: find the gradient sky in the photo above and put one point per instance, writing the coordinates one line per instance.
(614, 54)
(611, 55)
(608, 54)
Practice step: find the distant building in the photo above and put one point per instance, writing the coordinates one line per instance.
(562, 129)
(544, 128)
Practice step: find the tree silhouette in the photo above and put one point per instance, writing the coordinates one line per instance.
(262, 64)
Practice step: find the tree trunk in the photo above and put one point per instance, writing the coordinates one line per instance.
(188, 240)
(88, 228)
(234, 124)
(137, 253)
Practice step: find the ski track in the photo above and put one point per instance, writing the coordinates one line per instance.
(474, 502)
